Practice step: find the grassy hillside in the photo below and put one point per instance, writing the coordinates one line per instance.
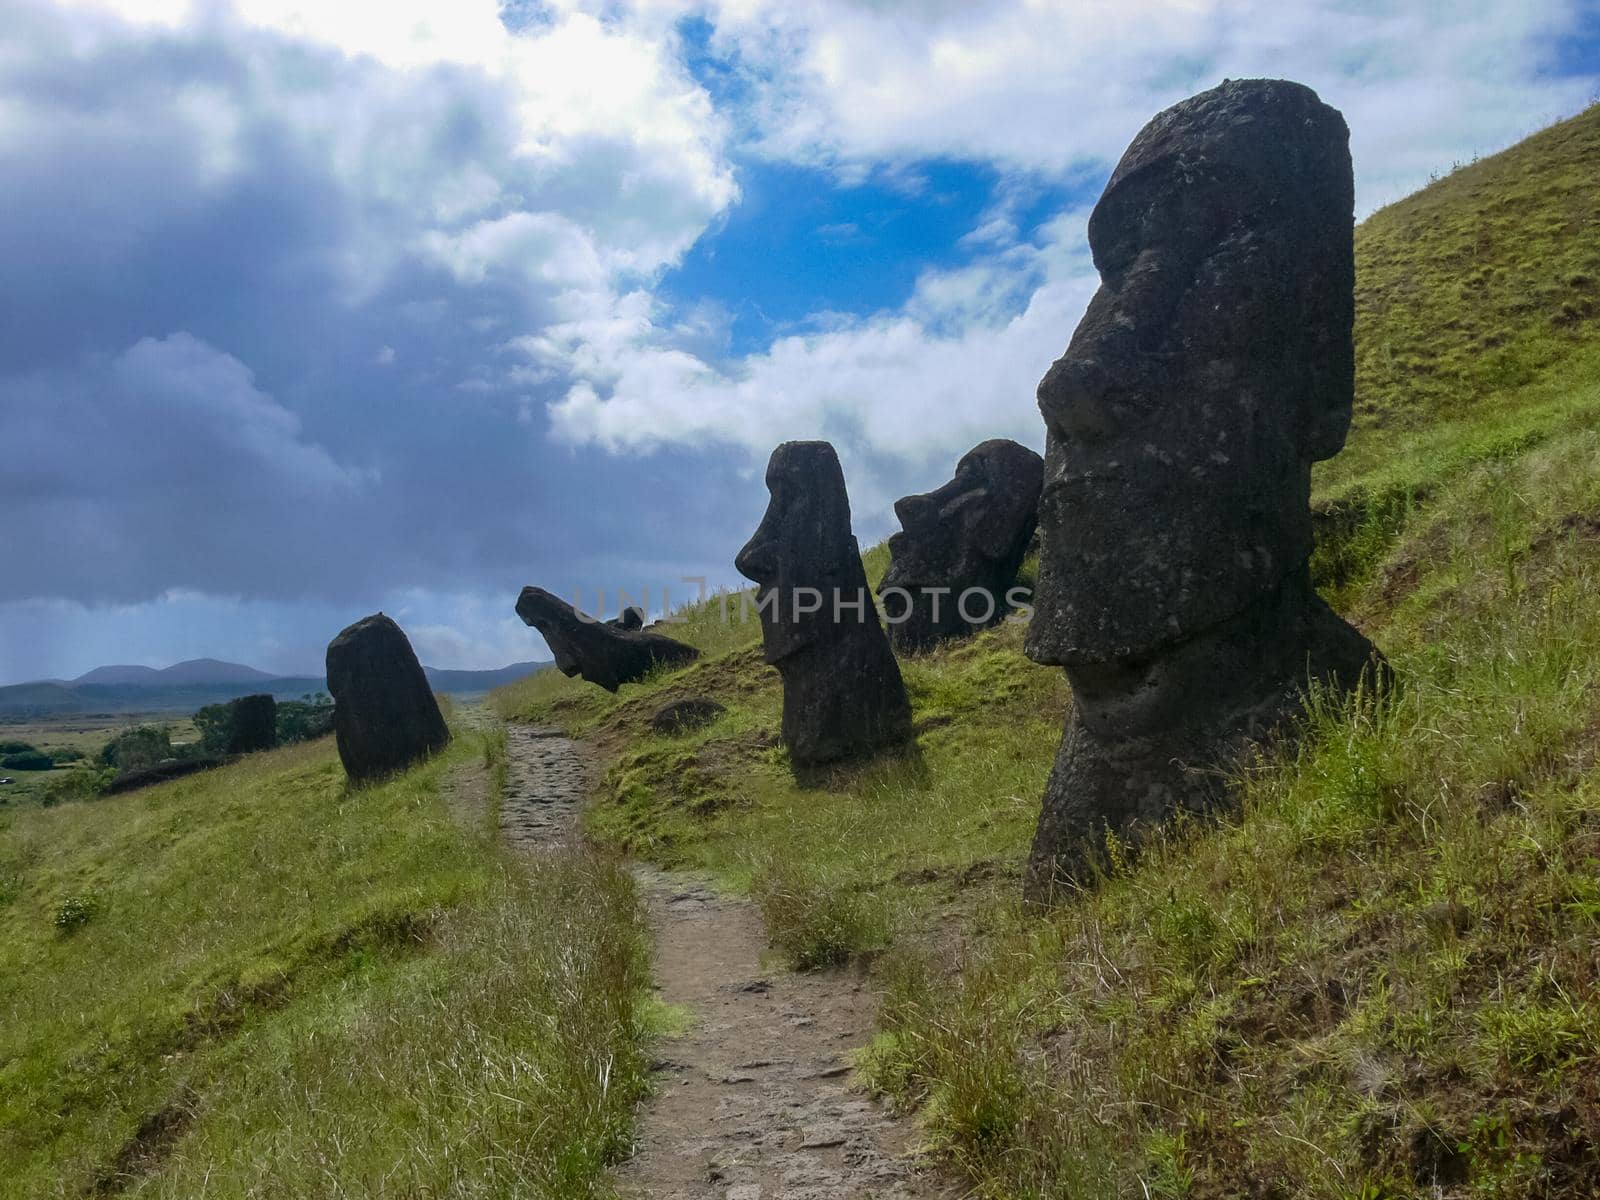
(255, 982)
(1476, 285)
(1382, 976)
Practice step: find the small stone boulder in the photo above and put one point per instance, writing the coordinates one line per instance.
(599, 651)
(255, 724)
(686, 715)
(385, 716)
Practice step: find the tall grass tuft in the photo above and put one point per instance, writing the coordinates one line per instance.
(815, 921)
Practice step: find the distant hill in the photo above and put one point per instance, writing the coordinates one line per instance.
(190, 685)
(469, 682)
(117, 676)
(39, 699)
(194, 671)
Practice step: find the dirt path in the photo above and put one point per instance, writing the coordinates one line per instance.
(754, 1101)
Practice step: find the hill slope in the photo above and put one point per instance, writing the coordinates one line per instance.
(1381, 977)
(255, 982)
(1477, 284)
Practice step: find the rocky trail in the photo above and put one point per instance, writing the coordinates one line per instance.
(754, 1101)
(546, 779)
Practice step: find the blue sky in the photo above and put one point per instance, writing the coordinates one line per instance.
(320, 309)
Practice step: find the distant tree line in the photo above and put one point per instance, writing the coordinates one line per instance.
(24, 756)
(300, 720)
(147, 753)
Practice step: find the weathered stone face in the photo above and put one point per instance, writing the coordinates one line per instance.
(803, 542)
(968, 537)
(1212, 368)
(385, 716)
(599, 651)
(842, 692)
(255, 724)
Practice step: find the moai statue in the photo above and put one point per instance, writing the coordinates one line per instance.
(384, 713)
(842, 692)
(608, 653)
(1212, 368)
(255, 724)
(959, 547)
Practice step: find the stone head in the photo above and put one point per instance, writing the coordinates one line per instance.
(979, 521)
(556, 620)
(1214, 365)
(803, 541)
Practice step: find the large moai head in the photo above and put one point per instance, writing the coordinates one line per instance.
(384, 715)
(1212, 368)
(967, 537)
(803, 545)
(842, 692)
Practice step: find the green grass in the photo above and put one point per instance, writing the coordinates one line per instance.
(27, 787)
(86, 734)
(1380, 977)
(1470, 289)
(891, 840)
(255, 982)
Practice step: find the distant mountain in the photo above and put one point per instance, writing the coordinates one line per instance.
(210, 670)
(118, 676)
(468, 682)
(187, 686)
(194, 671)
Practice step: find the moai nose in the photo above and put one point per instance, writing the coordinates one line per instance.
(1072, 397)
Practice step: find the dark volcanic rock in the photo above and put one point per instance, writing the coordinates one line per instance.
(682, 716)
(842, 692)
(176, 768)
(628, 620)
(960, 546)
(384, 715)
(255, 724)
(597, 650)
(1212, 368)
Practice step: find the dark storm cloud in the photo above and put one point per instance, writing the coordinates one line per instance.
(260, 300)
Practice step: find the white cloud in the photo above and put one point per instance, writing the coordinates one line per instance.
(453, 137)
(465, 632)
(1035, 88)
(915, 388)
(1046, 86)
